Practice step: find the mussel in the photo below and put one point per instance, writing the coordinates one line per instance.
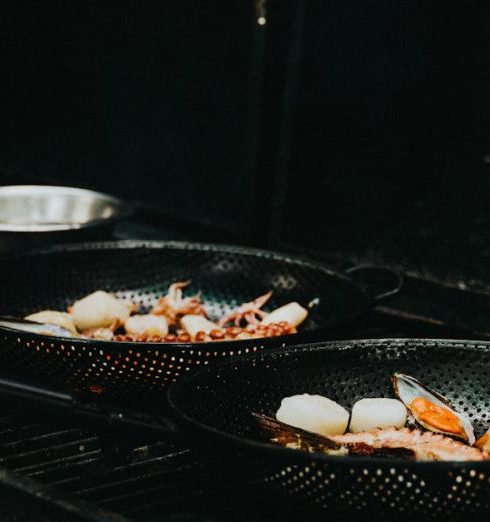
(431, 410)
(483, 443)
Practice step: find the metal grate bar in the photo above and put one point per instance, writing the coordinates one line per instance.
(58, 461)
(39, 442)
(66, 472)
(68, 448)
(50, 505)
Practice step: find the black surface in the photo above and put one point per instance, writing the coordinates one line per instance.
(337, 126)
(155, 101)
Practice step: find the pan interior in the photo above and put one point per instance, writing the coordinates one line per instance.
(226, 278)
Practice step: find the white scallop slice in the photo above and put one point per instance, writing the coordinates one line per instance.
(313, 413)
(99, 310)
(149, 325)
(194, 324)
(369, 414)
(62, 319)
(293, 313)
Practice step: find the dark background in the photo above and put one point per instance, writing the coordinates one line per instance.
(351, 128)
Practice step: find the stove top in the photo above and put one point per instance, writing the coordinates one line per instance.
(59, 468)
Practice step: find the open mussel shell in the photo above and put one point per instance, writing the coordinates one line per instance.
(431, 410)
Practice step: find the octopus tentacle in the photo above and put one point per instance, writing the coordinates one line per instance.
(404, 443)
(250, 312)
(174, 305)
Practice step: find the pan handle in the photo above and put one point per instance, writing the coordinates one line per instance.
(380, 282)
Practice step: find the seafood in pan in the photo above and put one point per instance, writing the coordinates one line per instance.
(377, 426)
(431, 410)
(174, 318)
(403, 443)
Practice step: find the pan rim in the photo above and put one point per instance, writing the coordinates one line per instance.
(303, 457)
(129, 244)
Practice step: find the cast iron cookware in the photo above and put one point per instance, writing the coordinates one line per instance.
(142, 271)
(215, 405)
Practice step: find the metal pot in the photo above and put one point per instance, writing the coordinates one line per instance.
(34, 216)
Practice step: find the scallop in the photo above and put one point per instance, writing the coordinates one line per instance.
(54, 317)
(102, 334)
(431, 410)
(193, 324)
(148, 325)
(370, 414)
(293, 313)
(313, 413)
(99, 310)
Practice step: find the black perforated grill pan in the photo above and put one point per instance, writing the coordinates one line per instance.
(142, 272)
(215, 404)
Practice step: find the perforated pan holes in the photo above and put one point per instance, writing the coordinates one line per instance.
(38, 356)
(125, 369)
(381, 489)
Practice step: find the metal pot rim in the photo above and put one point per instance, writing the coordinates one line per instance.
(122, 209)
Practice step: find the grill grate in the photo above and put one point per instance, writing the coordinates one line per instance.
(110, 475)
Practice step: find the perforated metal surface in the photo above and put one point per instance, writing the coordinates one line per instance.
(216, 406)
(142, 272)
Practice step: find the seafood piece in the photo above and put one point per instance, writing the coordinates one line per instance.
(296, 438)
(197, 328)
(368, 414)
(425, 445)
(250, 312)
(99, 310)
(173, 306)
(392, 442)
(146, 325)
(102, 334)
(483, 443)
(62, 319)
(292, 313)
(193, 324)
(313, 413)
(26, 325)
(431, 410)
